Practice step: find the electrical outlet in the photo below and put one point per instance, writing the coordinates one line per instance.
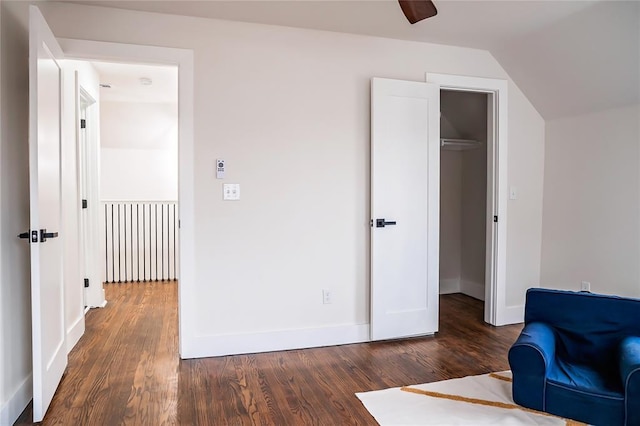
(327, 297)
(585, 286)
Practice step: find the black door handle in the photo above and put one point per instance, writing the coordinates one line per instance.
(381, 223)
(44, 235)
(29, 234)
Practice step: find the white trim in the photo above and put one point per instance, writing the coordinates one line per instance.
(512, 315)
(16, 404)
(282, 340)
(472, 289)
(89, 225)
(449, 286)
(495, 296)
(184, 59)
(75, 332)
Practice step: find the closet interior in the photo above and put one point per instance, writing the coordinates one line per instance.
(463, 192)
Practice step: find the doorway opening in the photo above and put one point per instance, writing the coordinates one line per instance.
(182, 59)
(496, 311)
(464, 136)
(127, 119)
(138, 172)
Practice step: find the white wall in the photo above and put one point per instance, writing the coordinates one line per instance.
(139, 154)
(139, 124)
(289, 111)
(524, 224)
(15, 295)
(592, 202)
(463, 194)
(138, 174)
(450, 221)
(473, 220)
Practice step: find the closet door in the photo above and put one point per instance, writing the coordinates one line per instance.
(405, 191)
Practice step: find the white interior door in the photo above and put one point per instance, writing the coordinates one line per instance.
(47, 296)
(405, 193)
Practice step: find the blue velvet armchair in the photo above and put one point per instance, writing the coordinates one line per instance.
(578, 357)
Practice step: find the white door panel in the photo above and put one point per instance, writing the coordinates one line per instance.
(48, 329)
(405, 159)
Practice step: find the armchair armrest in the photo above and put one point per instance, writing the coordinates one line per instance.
(630, 373)
(534, 351)
(530, 358)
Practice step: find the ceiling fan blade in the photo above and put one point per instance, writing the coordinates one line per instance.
(417, 10)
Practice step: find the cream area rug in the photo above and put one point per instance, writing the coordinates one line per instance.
(472, 400)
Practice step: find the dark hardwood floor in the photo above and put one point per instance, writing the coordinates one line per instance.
(126, 369)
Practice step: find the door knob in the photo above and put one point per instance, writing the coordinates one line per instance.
(29, 234)
(44, 235)
(381, 223)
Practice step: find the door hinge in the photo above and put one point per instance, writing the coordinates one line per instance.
(495, 219)
(84, 204)
(83, 123)
(86, 283)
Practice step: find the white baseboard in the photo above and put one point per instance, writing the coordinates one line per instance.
(449, 286)
(75, 332)
(233, 344)
(473, 289)
(512, 315)
(16, 404)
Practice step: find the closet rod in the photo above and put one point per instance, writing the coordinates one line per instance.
(459, 143)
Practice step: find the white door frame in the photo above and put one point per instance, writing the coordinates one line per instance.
(495, 312)
(183, 58)
(86, 144)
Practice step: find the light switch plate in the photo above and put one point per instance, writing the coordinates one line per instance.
(513, 193)
(231, 191)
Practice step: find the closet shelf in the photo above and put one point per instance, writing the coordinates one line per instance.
(459, 144)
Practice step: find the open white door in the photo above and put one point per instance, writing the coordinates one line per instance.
(405, 194)
(47, 296)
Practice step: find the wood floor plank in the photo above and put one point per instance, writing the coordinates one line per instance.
(126, 369)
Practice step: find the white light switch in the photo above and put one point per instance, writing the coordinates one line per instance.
(513, 193)
(231, 191)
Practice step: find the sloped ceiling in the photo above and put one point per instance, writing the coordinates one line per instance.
(569, 57)
(586, 62)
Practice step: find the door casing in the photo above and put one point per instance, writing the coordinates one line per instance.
(184, 60)
(496, 312)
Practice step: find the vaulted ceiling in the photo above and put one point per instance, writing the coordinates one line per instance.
(568, 57)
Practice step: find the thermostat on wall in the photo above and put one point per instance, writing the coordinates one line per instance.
(219, 169)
